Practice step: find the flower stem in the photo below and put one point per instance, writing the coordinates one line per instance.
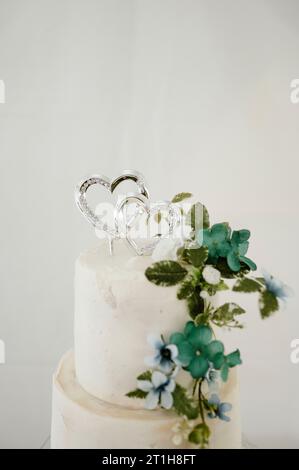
(194, 387)
(201, 410)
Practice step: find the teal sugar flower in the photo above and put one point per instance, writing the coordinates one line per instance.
(222, 244)
(238, 248)
(224, 363)
(198, 352)
(219, 409)
(191, 345)
(216, 239)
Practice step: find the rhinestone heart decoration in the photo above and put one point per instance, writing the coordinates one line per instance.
(127, 223)
(110, 186)
(123, 224)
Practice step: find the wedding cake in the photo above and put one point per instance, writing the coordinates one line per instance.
(116, 308)
(122, 300)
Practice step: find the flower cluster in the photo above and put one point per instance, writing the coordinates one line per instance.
(158, 384)
(222, 243)
(200, 265)
(199, 353)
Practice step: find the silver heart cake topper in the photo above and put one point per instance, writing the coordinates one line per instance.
(122, 222)
(101, 180)
(127, 223)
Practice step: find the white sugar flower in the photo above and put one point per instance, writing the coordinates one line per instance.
(211, 275)
(166, 249)
(277, 287)
(204, 294)
(159, 389)
(181, 430)
(165, 355)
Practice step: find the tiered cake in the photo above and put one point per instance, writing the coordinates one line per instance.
(116, 308)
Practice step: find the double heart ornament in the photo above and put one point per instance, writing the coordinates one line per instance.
(129, 223)
(125, 222)
(110, 186)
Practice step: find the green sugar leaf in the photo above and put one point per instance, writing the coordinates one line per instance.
(226, 314)
(196, 304)
(247, 284)
(198, 217)
(229, 310)
(184, 405)
(181, 197)
(268, 304)
(185, 290)
(165, 273)
(145, 375)
(226, 272)
(137, 394)
(158, 217)
(261, 280)
(221, 286)
(198, 256)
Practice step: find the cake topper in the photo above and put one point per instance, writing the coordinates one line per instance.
(147, 242)
(124, 222)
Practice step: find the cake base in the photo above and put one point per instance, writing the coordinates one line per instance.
(81, 421)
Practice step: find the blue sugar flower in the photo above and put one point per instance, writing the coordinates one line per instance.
(159, 389)
(219, 409)
(276, 287)
(213, 377)
(165, 355)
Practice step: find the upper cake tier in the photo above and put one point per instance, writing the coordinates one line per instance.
(116, 308)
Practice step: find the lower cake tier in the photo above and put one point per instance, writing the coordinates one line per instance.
(81, 421)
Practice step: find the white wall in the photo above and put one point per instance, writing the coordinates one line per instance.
(193, 93)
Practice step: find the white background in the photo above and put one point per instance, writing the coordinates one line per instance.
(193, 93)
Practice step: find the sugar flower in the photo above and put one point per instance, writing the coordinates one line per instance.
(159, 389)
(277, 287)
(211, 275)
(239, 246)
(216, 239)
(165, 355)
(222, 244)
(198, 352)
(219, 409)
(166, 249)
(181, 430)
(213, 378)
(204, 294)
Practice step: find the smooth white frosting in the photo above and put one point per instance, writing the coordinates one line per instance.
(116, 308)
(81, 421)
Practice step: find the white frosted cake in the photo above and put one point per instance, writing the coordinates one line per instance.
(150, 369)
(116, 308)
